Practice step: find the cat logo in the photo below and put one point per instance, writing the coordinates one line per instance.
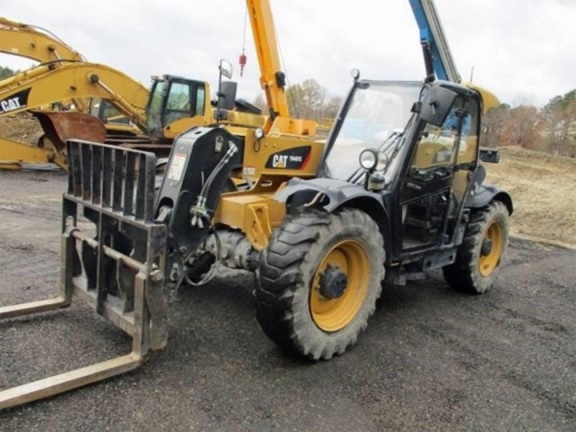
(295, 158)
(10, 105)
(15, 102)
(279, 161)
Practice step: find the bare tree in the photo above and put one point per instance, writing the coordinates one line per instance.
(494, 124)
(524, 128)
(560, 124)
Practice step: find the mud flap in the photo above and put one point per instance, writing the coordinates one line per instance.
(113, 257)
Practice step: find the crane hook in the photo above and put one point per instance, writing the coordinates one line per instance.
(242, 61)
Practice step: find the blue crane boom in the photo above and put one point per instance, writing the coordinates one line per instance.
(437, 54)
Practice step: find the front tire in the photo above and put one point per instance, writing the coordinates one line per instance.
(318, 282)
(481, 252)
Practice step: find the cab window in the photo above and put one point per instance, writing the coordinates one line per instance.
(437, 145)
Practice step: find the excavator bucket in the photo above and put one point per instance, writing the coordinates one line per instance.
(59, 127)
(112, 256)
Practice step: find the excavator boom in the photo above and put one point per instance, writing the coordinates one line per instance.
(41, 86)
(32, 42)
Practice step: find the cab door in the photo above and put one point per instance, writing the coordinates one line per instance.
(437, 178)
(184, 100)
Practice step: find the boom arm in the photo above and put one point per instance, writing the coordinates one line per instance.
(35, 43)
(272, 79)
(41, 86)
(437, 55)
(434, 42)
(28, 41)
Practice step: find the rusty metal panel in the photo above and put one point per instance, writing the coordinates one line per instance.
(59, 127)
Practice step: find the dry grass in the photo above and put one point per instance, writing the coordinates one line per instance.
(543, 188)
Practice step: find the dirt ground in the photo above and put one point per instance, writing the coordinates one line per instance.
(431, 359)
(22, 127)
(543, 188)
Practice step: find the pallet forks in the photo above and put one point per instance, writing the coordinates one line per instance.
(119, 272)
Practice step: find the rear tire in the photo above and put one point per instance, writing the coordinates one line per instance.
(479, 256)
(318, 282)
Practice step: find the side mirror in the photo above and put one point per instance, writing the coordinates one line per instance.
(226, 90)
(225, 68)
(227, 94)
(436, 105)
(489, 155)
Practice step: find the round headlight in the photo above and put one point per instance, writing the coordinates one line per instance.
(368, 159)
(259, 133)
(382, 161)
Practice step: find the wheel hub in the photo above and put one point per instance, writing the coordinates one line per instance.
(486, 247)
(333, 283)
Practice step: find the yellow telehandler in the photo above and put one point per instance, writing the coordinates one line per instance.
(397, 190)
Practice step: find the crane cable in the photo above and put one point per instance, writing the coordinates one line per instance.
(242, 59)
(289, 95)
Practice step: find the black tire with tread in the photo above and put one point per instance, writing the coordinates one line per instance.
(287, 267)
(464, 274)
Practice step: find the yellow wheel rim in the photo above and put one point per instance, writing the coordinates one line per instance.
(488, 262)
(331, 315)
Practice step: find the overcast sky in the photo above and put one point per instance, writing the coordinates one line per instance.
(523, 50)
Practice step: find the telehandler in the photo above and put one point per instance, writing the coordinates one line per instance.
(397, 190)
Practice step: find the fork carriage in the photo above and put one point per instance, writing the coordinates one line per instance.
(119, 272)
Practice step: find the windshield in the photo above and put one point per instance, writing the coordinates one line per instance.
(376, 119)
(154, 110)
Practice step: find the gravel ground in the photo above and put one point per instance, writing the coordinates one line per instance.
(431, 359)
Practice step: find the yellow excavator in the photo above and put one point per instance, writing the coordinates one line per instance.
(174, 104)
(42, 85)
(38, 44)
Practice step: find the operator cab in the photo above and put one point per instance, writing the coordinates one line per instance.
(171, 99)
(441, 163)
(416, 145)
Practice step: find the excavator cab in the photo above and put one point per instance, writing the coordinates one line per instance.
(175, 98)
